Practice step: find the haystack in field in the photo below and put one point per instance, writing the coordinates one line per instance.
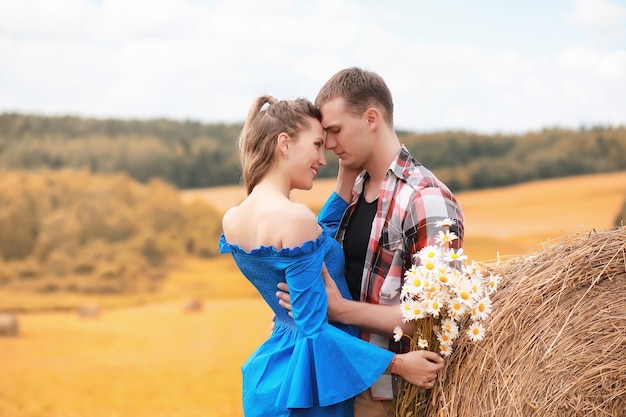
(556, 338)
(9, 325)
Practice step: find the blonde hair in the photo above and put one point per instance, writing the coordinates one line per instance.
(268, 118)
(360, 89)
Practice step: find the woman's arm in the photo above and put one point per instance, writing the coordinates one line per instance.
(373, 318)
(345, 181)
(331, 213)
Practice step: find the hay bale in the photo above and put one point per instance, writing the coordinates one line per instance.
(88, 311)
(193, 305)
(9, 325)
(556, 341)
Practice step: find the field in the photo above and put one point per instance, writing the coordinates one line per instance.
(147, 357)
(509, 220)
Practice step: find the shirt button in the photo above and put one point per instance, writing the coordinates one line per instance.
(384, 200)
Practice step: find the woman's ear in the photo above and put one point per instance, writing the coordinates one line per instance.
(283, 144)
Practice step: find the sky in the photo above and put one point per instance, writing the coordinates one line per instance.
(480, 66)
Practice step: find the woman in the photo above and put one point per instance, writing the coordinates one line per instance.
(307, 367)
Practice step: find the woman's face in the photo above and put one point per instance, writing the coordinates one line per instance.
(306, 155)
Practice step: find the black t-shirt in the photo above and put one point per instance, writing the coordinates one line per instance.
(355, 243)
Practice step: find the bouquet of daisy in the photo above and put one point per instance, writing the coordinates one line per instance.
(446, 295)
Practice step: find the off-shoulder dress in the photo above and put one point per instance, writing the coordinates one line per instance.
(307, 366)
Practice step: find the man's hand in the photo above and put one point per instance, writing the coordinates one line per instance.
(334, 296)
(284, 299)
(335, 299)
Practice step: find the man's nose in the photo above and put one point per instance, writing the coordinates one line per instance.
(330, 142)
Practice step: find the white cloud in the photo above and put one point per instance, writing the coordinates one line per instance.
(598, 14)
(208, 60)
(67, 20)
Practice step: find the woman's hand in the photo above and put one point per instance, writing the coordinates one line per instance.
(418, 367)
(345, 181)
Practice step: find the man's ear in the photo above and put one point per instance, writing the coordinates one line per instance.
(372, 116)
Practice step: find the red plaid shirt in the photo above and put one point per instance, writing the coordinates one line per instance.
(411, 199)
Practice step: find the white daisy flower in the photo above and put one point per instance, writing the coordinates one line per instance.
(397, 333)
(456, 308)
(444, 338)
(445, 237)
(445, 350)
(450, 326)
(432, 252)
(433, 307)
(455, 255)
(482, 309)
(476, 332)
(493, 282)
(418, 310)
(445, 223)
(407, 310)
(465, 292)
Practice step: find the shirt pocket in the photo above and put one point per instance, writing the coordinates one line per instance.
(391, 247)
(391, 238)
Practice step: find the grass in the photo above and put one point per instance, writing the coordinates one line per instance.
(145, 357)
(152, 360)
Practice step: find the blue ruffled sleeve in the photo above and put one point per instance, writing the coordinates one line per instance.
(327, 366)
(331, 213)
(308, 297)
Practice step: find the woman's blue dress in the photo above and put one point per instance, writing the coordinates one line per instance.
(307, 367)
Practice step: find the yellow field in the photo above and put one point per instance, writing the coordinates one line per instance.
(509, 220)
(152, 359)
(145, 360)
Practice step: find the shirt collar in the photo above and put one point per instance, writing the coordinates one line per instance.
(401, 167)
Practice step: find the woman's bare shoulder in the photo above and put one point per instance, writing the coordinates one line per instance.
(283, 224)
(300, 225)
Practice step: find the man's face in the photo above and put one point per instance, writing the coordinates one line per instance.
(346, 134)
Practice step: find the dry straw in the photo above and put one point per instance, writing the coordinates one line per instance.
(556, 339)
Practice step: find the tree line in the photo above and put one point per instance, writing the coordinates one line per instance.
(191, 154)
(93, 206)
(75, 231)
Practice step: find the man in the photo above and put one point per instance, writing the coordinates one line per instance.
(396, 202)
